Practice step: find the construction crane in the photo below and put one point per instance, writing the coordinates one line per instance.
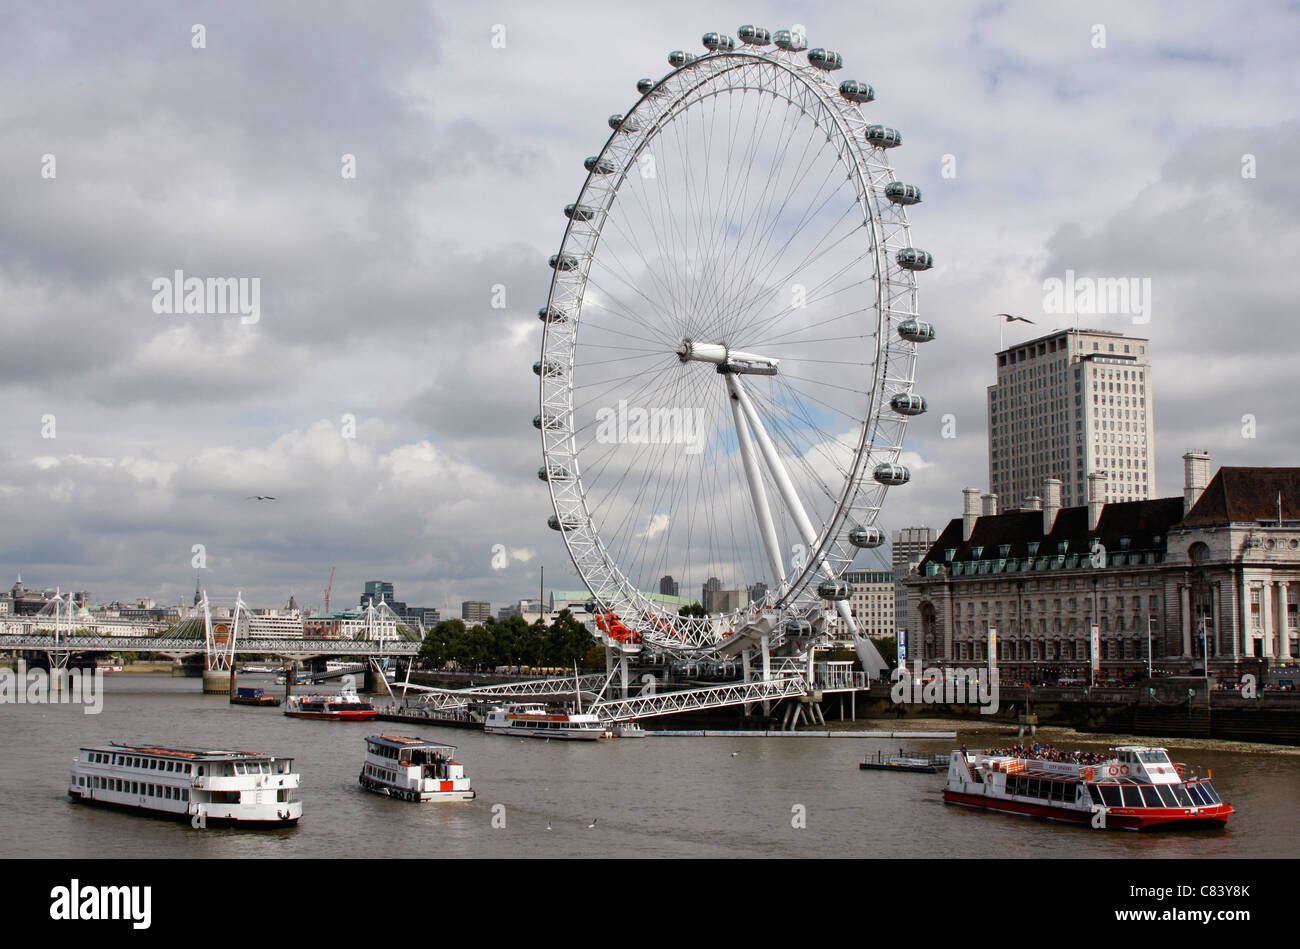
(329, 586)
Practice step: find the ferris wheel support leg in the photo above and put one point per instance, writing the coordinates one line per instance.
(762, 511)
(764, 644)
(744, 665)
(622, 672)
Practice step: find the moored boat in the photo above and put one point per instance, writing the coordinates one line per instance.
(540, 721)
(412, 769)
(206, 787)
(1138, 788)
(258, 697)
(346, 706)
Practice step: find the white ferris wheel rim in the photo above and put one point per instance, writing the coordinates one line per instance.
(879, 440)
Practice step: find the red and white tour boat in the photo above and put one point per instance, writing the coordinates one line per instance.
(1138, 788)
(347, 706)
(539, 721)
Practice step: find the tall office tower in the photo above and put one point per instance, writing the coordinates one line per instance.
(668, 586)
(475, 611)
(910, 545)
(1067, 404)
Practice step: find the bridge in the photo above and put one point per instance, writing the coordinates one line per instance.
(176, 647)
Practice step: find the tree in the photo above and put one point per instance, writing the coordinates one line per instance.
(693, 609)
(442, 644)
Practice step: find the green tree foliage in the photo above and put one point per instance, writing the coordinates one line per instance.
(508, 642)
(693, 609)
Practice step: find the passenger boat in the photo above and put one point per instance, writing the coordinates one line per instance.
(258, 697)
(208, 788)
(346, 706)
(628, 730)
(539, 721)
(1138, 788)
(412, 769)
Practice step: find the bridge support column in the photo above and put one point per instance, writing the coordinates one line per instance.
(767, 669)
(622, 672)
(217, 681)
(744, 665)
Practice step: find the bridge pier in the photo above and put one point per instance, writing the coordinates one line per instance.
(218, 681)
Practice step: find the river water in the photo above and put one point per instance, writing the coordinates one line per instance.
(657, 797)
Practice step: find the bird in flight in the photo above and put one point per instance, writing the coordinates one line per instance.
(259, 497)
(1012, 319)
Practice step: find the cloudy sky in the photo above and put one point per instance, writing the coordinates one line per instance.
(129, 150)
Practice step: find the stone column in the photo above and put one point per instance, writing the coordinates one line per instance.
(1266, 616)
(1214, 620)
(1247, 632)
(1283, 619)
(1185, 609)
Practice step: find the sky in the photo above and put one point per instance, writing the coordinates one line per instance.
(383, 399)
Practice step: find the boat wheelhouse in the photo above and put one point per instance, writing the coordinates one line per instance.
(412, 769)
(208, 788)
(540, 721)
(347, 706)
(1138, 788)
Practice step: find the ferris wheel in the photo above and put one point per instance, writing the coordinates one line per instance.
(729, 347)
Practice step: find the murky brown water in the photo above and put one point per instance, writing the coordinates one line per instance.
(658, 797)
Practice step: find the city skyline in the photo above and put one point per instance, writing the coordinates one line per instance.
(375, 310)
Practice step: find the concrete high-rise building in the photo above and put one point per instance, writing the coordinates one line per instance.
(1069, 404)
(668, 586)
(872, 604)
(909, 547)
(475, 611)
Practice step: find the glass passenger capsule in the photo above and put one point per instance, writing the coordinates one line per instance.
(648, 87)
(563, 262)
(900, 193)
(916, 331)
(552, 314)
(579, 212)
(754, 35)
(599, 166)
(907, 403)
(570, 523)
(834, 590)
(552, 369)
(592, 606)
(620, 123)
(551, 423)
(892, 474)
(679, 58)
(856, 91)
(913, 258)
(825, 59)
(867, 538)
(716, 41)
(882, 136)
(790, 42)
(556, 473)
(800, 628)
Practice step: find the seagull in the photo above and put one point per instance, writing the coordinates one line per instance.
(548, 825)
(1012, 319)
(593, 823)
(735, 754)
(259, 497)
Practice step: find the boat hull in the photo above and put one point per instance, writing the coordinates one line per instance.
(1148, 819)
(410, 794)
(556, 734)
(184, 816)
(334, 716)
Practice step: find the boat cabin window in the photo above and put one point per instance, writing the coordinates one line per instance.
(1153, 757)
(1198, 796)
(1149, 796)
(1167, 796)
(1111, 796)
(1184, 798)
(1096, 794)
(1132, 796)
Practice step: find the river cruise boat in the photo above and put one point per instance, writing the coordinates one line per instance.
(412, 769)
(347, 706)
(207, 788)
(1137, 788)
(540, 721)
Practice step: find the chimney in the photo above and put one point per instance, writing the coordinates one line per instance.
(1196, 475)
(1096, 497)
(1033, 503)
(970, 511)
(1051, 503)
(988, 505)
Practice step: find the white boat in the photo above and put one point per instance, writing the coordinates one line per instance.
(206, 787)
(412, 769)
(347, 706)
(628, 730)
(539, 721)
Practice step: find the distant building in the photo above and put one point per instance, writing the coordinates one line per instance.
(475, 611)
(273, 624)
(668, 586)
(758, 592)
(909, 547)
(381, 591)
(1069, 404)
(711, 586)
(872, 604)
